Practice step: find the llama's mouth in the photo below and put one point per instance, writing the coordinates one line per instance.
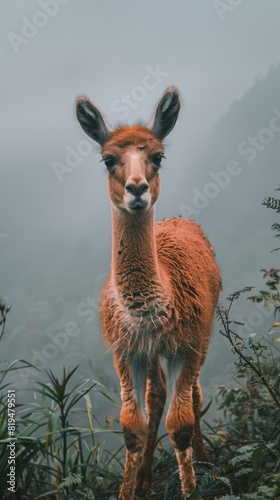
(137, 205)
(137, 209)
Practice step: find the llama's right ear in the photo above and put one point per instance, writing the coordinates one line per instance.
(91, 120)
(166, 113)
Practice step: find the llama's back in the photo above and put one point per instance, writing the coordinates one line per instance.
(189, 259)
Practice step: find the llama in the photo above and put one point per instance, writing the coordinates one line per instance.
(159, 299)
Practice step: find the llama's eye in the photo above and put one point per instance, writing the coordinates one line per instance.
(109, 162)
(157, 160)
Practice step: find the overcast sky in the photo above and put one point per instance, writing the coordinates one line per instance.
(55, 217)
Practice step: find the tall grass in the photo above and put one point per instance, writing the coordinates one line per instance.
(57, 457)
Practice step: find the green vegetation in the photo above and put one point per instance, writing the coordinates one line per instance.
(55, 456)
(58, 458)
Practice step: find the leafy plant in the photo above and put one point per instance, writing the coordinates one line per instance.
(54, 458)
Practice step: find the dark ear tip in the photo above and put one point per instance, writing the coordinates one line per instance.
(81, 102)
(173, 94)
(173, 91)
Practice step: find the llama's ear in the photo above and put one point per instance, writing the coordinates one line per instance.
(166, 113)
(91, 120)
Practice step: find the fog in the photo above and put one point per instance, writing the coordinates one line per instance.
(55, 216)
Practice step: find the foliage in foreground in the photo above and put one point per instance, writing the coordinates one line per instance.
(55, 457)
(58, 459)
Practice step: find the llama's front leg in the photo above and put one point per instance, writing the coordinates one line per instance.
(155, 401)
(132, 377)
(180, 423)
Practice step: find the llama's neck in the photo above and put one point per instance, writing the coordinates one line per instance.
(135, 269)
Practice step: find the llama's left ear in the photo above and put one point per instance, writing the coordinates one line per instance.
(166, 113)
(91, 120)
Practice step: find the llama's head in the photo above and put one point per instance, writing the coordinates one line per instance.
(132, 154)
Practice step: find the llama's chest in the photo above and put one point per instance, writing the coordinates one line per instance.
(138, 326)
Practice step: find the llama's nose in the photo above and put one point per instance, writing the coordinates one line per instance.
(137, 188)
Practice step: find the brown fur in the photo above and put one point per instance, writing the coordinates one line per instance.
(158, 301)
(186, 257)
